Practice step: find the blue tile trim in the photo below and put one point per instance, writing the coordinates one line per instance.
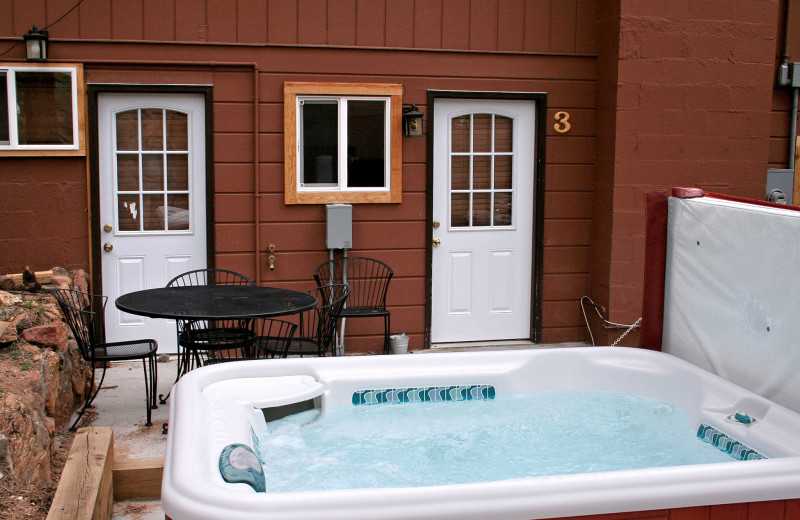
(729, 445)
(423, 394)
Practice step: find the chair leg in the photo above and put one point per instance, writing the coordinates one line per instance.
(90, 397)
(386, 328)
(148, 388)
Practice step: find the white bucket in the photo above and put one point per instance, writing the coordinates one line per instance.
(399, 343)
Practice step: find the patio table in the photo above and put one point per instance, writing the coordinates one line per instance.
(213, 302)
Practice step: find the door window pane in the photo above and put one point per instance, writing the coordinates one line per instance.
(177, 131)
(36, 125)
(153, 212)
(460, 134)
(481, 172)
(366, 144)
(319, 143)
(129, 213)
(459, 210)
(128, 130)
(481, 209)
(152, 129)
(177, 172)
(502, 172)
(482, 132)
(178, 212)
(152, 172)
(127, 172)
(459, 172)
(502, 209)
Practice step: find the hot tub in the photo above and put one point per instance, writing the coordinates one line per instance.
(214, 407)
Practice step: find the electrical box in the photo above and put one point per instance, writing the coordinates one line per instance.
(780, 185)
(340, 226)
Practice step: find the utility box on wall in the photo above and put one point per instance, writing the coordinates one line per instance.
(340, 226)
(780, 185)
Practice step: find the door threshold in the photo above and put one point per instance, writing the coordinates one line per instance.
(498, 345)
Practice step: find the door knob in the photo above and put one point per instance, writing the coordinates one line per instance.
(436, 242)
(436, 224)
(107, 228)
(108, 247)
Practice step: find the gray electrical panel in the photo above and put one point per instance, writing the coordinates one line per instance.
(340, 226)
(780, 185)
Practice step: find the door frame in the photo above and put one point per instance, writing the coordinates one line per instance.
(92, 93)
(540, 124)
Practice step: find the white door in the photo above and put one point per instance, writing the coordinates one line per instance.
(483, 182)
(152, 201)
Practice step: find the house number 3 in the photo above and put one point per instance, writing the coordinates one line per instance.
(562, 125)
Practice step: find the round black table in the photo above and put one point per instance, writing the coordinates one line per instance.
(194, 303)
(215, 302)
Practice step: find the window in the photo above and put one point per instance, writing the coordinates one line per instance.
(342, 143)
(41, 110)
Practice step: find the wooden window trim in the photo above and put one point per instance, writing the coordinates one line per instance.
(80, 111)
(290, 92)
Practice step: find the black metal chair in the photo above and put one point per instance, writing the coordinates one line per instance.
(369, 282)
(316, 328)
(84, 313)
(195, 334)
(272, 338)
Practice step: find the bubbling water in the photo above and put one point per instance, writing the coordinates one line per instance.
(434, 443)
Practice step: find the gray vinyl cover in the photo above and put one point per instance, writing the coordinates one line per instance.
(732, 293)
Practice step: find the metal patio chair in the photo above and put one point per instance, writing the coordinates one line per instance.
(84, 313)
(204, 331)
(316, 328)
(369, 282)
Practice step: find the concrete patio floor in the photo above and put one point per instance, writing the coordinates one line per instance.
(120, 404)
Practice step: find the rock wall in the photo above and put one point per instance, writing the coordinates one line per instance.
(42, 379)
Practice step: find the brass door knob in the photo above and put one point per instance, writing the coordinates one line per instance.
(107, 228)
(108, 247)
(436, 242)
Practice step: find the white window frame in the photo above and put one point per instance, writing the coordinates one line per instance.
(298, 193)
(342, 145)
(13, 147)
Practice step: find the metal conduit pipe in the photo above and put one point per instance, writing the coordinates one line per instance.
(793, 132)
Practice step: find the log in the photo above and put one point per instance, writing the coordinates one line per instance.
(41, 277)
(85, 489)
(138, 479)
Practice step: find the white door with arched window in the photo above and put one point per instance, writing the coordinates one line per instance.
(483, 196)
(151, 152)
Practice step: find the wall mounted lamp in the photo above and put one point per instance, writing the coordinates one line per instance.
(36, 44)
(412, 121)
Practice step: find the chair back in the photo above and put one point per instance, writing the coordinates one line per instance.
(317, 326)
(85, 316)
(272, 338)
(368, 280)
(209, 277)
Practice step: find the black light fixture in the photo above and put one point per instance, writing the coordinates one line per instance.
(36, 44)
(412, 121)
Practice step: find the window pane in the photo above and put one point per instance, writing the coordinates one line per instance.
(459, 129)
(153, 212)
(459, 172)
(481, 209)
(4, 132)
(152, 129)
(319, 143)
(503, 131)
(502, 209)
(127, 172)
(128, 212)
(177, 131)
(178, 212)
(366, 144)
(44, 101)
(128, 130)
(502, 172)
(481, 172)
(152, 172)
(177, 172)
(482, 132)
(459, 209)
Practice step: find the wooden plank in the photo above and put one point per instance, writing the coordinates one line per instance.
(138, 479)
(796, 191)
(85, 491)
